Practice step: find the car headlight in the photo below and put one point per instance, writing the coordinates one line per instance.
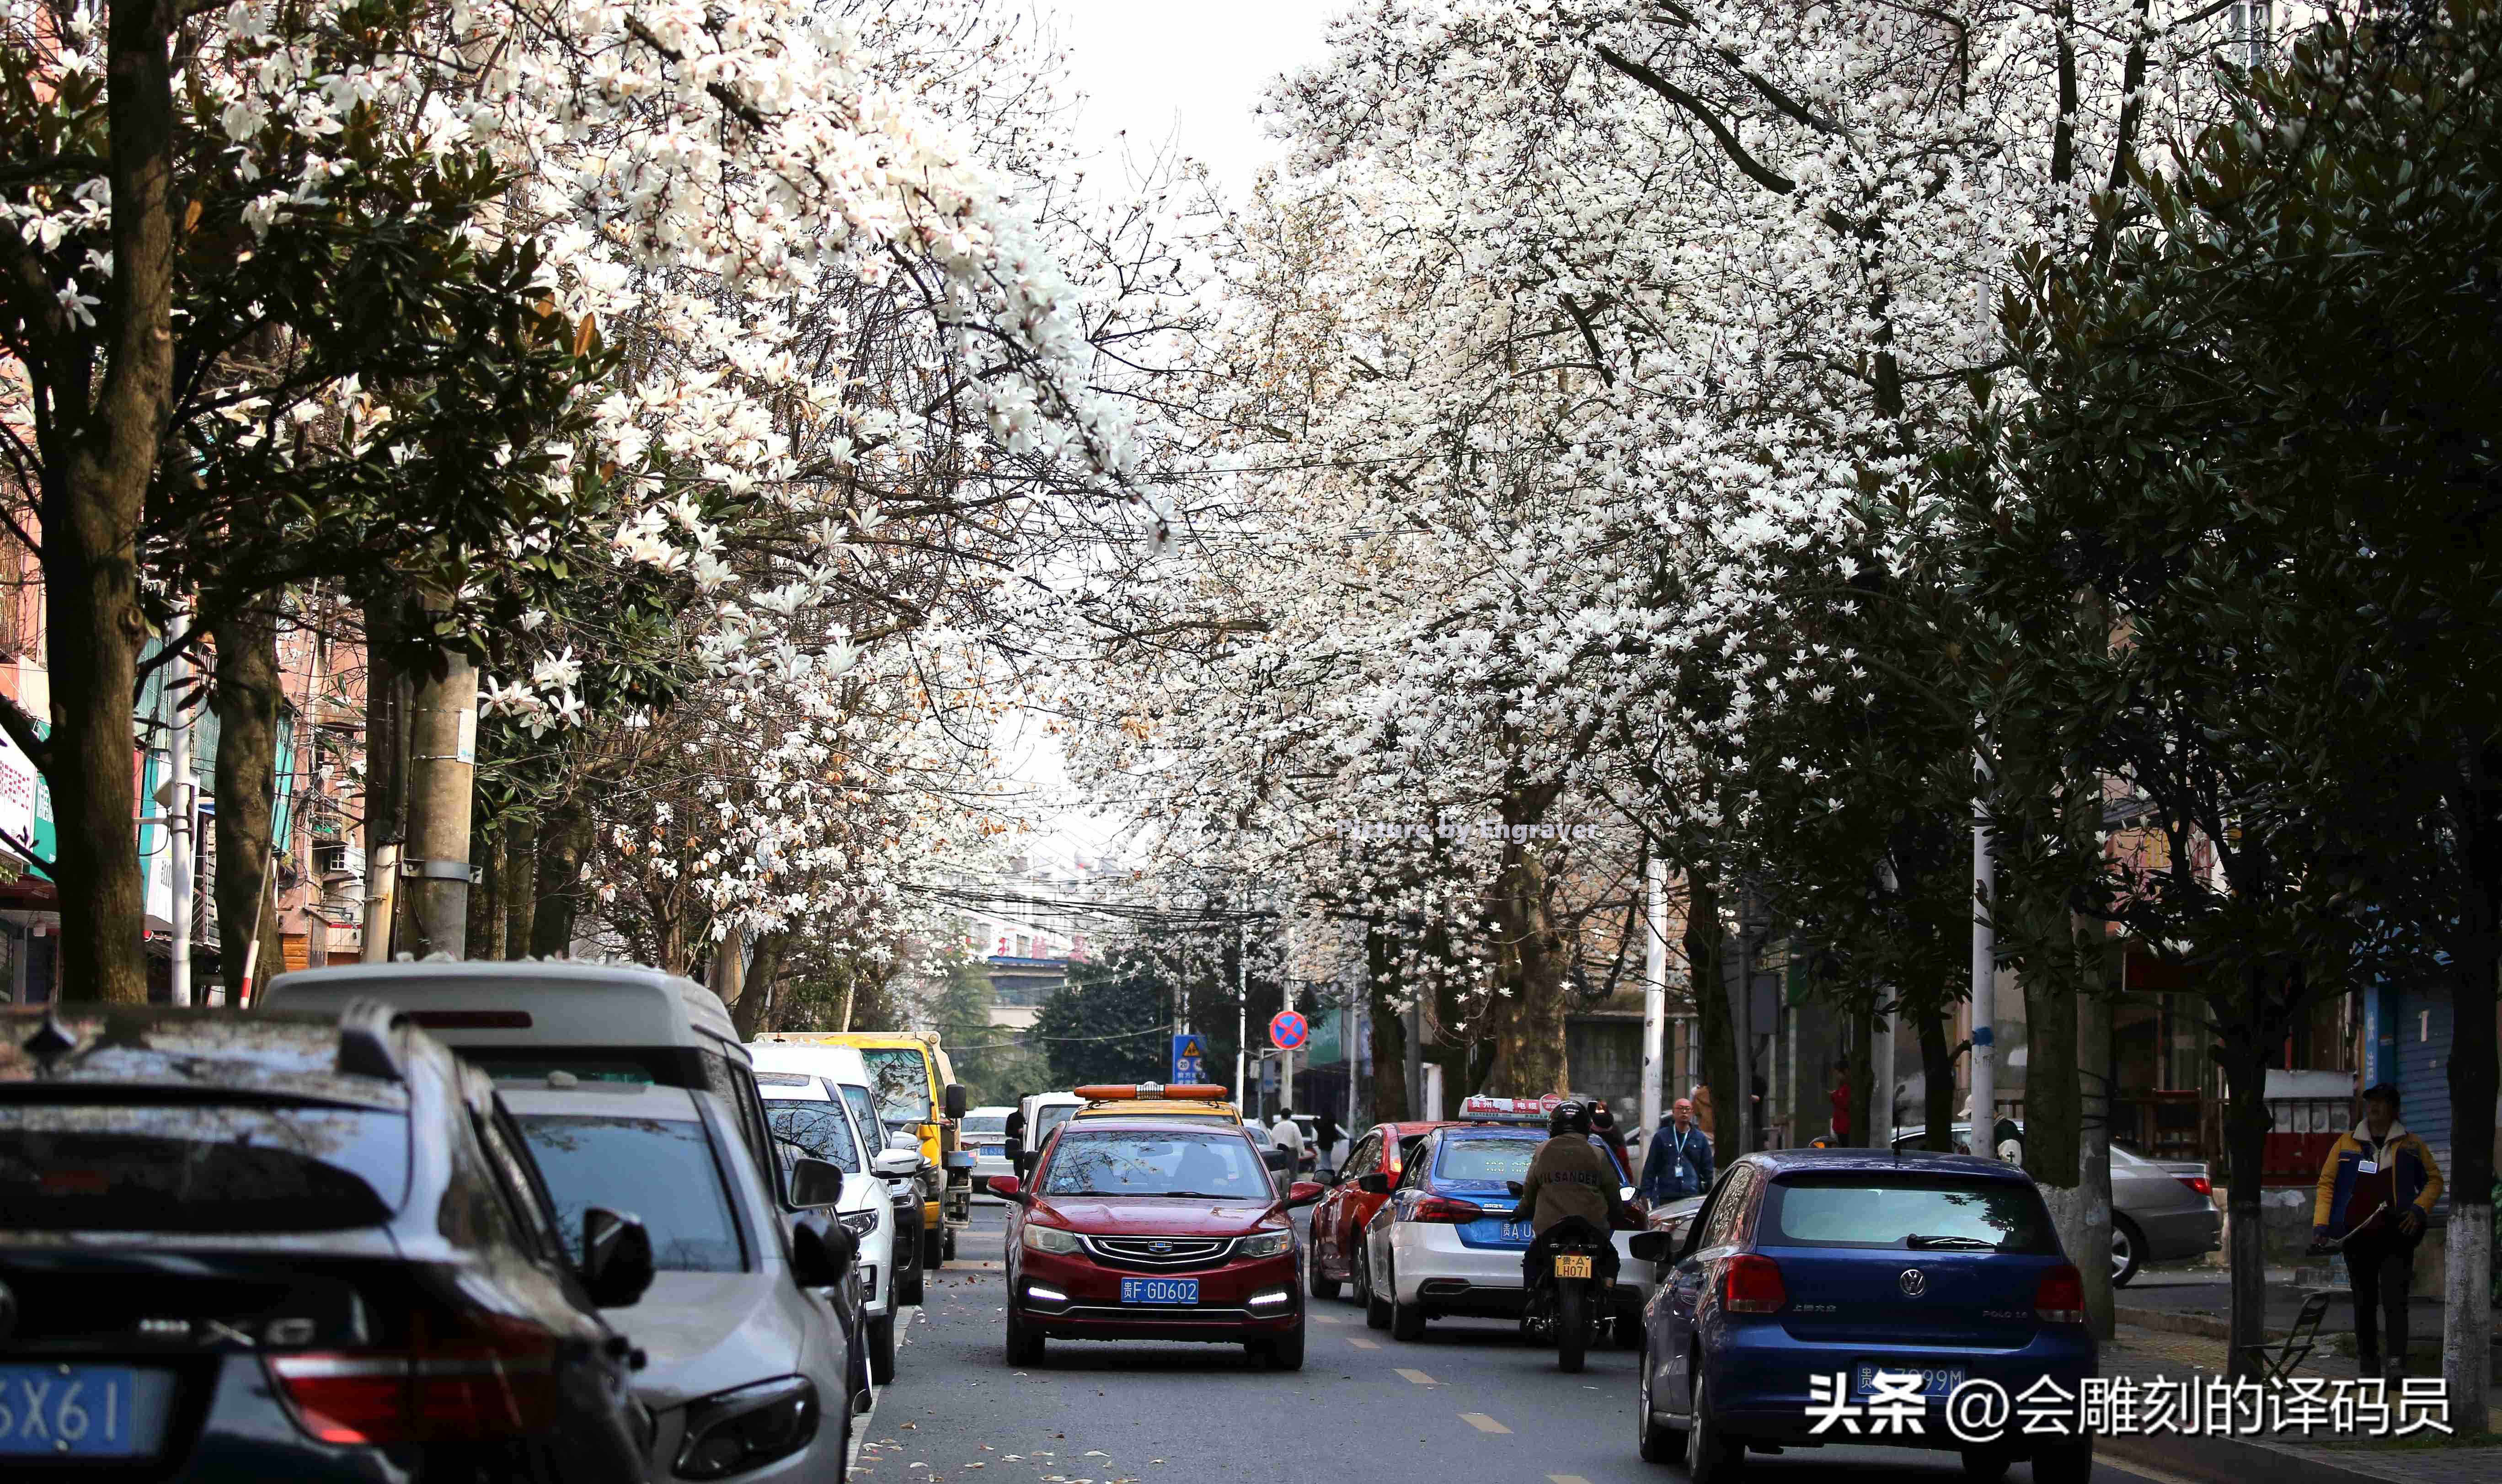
(744, 1428)
(860, 1223)
(1042, 1238)
(1264, 1244)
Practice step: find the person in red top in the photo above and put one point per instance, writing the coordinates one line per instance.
(1842, 1101)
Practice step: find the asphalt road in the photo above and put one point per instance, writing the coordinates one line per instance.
(1470, 1405)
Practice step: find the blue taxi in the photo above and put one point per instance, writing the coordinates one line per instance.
(1861, 1297)
(1441, 1245)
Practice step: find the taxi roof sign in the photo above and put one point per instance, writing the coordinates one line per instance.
(1482, 1108)
(1186, 1091)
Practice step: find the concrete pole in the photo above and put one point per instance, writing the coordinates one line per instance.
(1880, 1074)
(2093, 1150)
(1242, 1019)
(442, 773)
(381, 900)
(1984, 995)
(1742, 1023)
(1286, 1059)
(181, 808)
(1654, 991)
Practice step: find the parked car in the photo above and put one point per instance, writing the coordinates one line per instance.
(809, 1118)
(2162, 1211)
(750, 1372)
(985, 1132)
(1337, 1252)
(1807, 1264)
(916, 1089)
(1044, 1113)
(296, 1247)
(1153, 1227)
(890, 1263)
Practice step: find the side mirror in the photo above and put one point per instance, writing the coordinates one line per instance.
(616, 1258)
(818, 1259)
(953, 1101)
(816, 1183)
(1651, 1246)
(1304, 1192)
(896, 1163)
(1516, 1189)
(1010, 1187)
(1375, 1184)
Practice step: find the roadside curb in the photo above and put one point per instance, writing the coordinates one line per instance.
(2225, 1460)
(2170, 1322)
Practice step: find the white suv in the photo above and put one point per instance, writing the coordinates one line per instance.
(804, 1102)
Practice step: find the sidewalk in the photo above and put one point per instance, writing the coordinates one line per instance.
(2141, 1353)
(2199, 1301)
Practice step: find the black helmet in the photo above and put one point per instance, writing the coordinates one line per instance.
(1569, 1117)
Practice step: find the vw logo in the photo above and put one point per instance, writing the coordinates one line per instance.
(1914, 1283)
(1159, 1246)
(8, 1312)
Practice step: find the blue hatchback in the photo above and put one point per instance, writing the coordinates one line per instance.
(1860, 1297)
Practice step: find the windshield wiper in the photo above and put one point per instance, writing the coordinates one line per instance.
(1954, 1243)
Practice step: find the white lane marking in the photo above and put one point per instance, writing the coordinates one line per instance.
(1418, 1376)
(1566, 1478)
(1482, 1423)
(1361, 1343)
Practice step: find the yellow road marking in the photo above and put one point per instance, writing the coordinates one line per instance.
(1418, 1376)
(1482, 1423)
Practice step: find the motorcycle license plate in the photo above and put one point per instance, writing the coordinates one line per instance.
(1571, 1265)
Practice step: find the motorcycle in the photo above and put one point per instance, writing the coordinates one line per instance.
(1568, 1294)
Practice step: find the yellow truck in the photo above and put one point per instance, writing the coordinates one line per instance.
(917, 1092)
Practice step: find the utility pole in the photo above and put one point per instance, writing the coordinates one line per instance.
(1985, 984)
(1285, 1057)
(1654, 990)
(1242, 1018)
(1742, 1020)
(442, 773)
(1880, 1051)
(181, 803)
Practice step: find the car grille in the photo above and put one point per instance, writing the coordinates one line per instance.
(1158, 1254)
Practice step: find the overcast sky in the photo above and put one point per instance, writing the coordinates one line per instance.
(1187, 72)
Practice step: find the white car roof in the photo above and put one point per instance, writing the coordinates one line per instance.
(992, 1110)
(563, 1004)
(601, 1099)
(791, 1086)
(843, 1064)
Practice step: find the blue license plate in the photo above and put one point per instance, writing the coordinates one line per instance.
(1159, 1290)
(995, 1151)
(68, 1411)
(1518, 1231)
(1936, 1381)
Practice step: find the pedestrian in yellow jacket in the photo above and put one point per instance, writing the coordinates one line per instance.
(2377, 1188)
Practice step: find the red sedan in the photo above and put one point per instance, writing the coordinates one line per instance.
(1338, 1220)
(1153, 1229)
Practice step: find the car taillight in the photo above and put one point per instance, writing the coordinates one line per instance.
(2061, 1298)
(1750, 1284)
(2199, 1183)
(1442, 1208)
(467, 1391)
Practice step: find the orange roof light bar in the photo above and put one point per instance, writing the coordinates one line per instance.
(1115, 1091)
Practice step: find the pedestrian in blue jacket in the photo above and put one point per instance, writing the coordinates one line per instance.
(1680, 1159)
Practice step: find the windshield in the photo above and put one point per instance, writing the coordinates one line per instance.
(1122, 1162)
(819, 1128)
(863, 1110)
(985, 1125)
(662, 1170)
(1852, 1211)
(1047, 1119)
(901, 1077)
(1483, 1159)
(199, 1167)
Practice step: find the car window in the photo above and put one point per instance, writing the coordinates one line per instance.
(1483, 1159)
(864, 1111)
(521, 1193)
(662, 1170)
(198, 1168)
(1722, 1218)
(1939, 1213)
(989, 1125)
(819, 1128)
(901, 1078)
(1406, 1154)
(1179, 1161)
(1365, 1158)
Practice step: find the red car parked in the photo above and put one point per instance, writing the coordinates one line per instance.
(1338, 1220)
(1153, 1229)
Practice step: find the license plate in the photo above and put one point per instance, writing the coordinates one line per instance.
(67, 1411)
(1571, 1265)
(1518, 1231)
(1936, 1381)
(995, 1151)
(1159, 1290)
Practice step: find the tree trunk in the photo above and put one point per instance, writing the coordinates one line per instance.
(517, 870)
(2050, 1092)
(1391, 1102)
(2476, 956)
(2241, 1050)
(1704, 977)
(246, 699)
(442, 777)
(2096, 1110)
(1528, 1021)
(565, 840)
(1863, 1074)
(753, 1011)
(1937, 1074)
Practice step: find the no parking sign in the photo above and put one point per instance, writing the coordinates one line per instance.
(1287, 1030)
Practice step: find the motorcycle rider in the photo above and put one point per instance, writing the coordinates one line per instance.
(1571, 1187)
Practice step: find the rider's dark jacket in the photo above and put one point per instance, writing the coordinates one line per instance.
(1569, 1176)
